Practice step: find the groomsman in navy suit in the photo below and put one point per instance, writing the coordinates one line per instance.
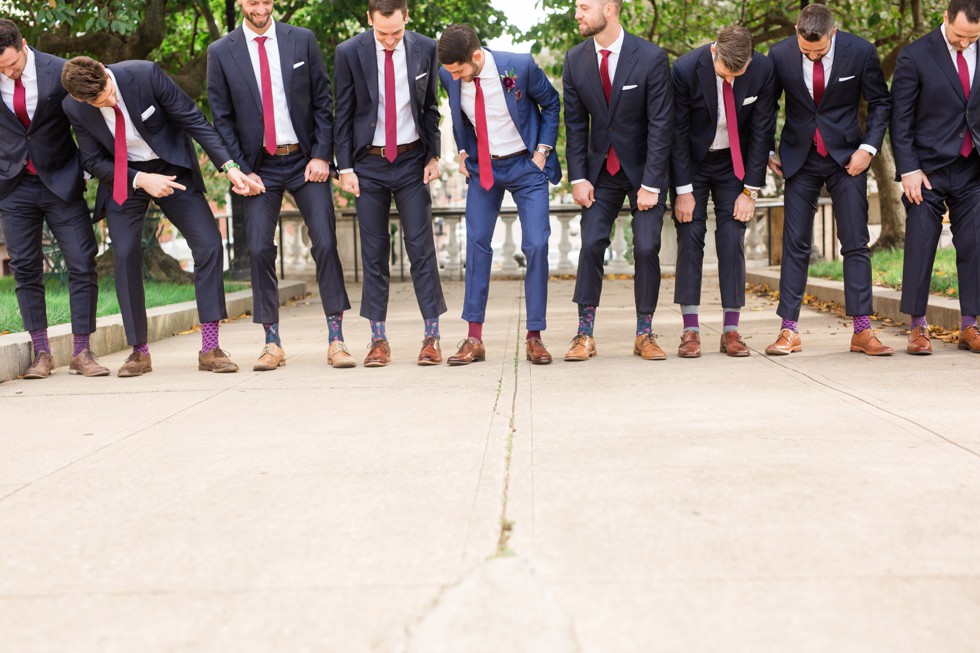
(826, 73)
(41, 180)
(725, 120)
(618, 125)
(935, 130)
(271, 102)
(505, 116)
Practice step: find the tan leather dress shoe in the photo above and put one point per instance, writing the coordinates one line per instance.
(339, 356)
(431, 353)
(789, 341)
(646, 347)
(215, 360)
(970, 339)
(137, 364)
(583, 348)
(536, 352)
(272, 357)
(690, 345)
(86, 365)
(379, 354)
(867, 342)
(471, 350)
(42, 368)
(919, 343)
(733, 345)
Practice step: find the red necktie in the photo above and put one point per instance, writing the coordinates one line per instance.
(612, 161)
(818, 87)
(120, 175)
(268, 108)
(731, 118)
(391, 109)
(965, 81)
(482, 139)
(20, 109)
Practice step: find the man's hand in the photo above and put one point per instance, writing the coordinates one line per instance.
(539, 159)
(684, 207)
(646, 200)
(158, 185)
(744, 208)
(431, 170)
(584, 194)
(462, 165)
(317, 170)
(912, 185)
(860, 160)
(349, 183)
(243, 184)
(775, 165)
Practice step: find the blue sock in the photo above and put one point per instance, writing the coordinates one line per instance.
(272, 334)
(644, 323)
(335, 324)
(432, 328)
(378, 330)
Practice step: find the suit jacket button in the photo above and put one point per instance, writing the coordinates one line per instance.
(28, 137)
(374, 124)
(962, 135)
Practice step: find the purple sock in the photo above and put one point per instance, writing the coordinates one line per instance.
(966, 321)
(791, 325)
(691, 322)
(378, 330)
(731, 319)
(644, 323)
(40, 339)
(919, 321)
(209, 336)
(335, 330)
(80, 343)
(861, 323)
(431, 328)
(586, 320)
(141, 349)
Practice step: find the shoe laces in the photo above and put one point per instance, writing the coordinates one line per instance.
(218, 352)
(580, 339)
(430, 341)
(341, 346)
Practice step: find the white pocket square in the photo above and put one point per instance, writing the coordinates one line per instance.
(149, 112)
(418, 77)
(844, 79)
(298, 64)
(629, 88)
(750, 100)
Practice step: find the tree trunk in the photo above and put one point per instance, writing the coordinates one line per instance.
(890, 201)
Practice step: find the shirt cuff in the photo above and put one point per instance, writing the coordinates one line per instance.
(578, 181)
(906, 174)
(683, 190)
(135, 177)
(873, 151)
(772, 153)
(650, 189)
(345, 171)
(753, 187)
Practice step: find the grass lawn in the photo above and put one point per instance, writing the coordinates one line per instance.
(56, 298)
(886, 270)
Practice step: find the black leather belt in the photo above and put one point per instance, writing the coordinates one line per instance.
(509, 156)
(408, 147)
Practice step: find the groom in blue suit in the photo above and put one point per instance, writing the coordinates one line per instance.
(505, 116)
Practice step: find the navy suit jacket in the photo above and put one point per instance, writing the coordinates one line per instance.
(930, 113)
(356, 81)
(856, 72)
(696, 114)
(162, 113)
(638, 121)
(47, 142)
(536, 114)
(236, 105)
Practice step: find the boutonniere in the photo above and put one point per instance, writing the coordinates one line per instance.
(509, 80)
(519, 95)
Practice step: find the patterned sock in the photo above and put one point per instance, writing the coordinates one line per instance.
(644, 323)
(432, 328)
(731, 319)
(690, 314)
(272, 334)
(919, 321)
(476, 331)
(40, 339)
(586, 320)
(80, 343)
(141, 349)
(209, 336)
(378, 330)
(335, 329)
(791, 325)
(533, 334)
(861, 323)
(966, 321)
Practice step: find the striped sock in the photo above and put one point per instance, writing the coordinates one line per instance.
(80, 342)
(919, 321)
(691, 321)
(141, 349)
(378, 330)
(335, 325)
(644, 323)
(861, 323)
(791, 325)
(209, 336)
(272, 333)
(432, 328)
(731, 319)
(586, 320)
(39, 337)
(476, 331)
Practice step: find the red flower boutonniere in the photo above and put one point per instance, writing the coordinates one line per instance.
(519, 95)
(509, 80)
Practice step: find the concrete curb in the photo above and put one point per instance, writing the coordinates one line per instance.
(942, 312)
(109, 336)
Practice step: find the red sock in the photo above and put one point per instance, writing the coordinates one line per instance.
(533, 334)
(476, 331)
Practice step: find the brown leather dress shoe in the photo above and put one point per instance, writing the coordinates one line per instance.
(690, 345)
(789, 341)
(471, 350)
(136, 365)
(970, 339)
(646, 347)
(536, 352)
(86, 365)
(215, 360)
(583, 348)
(338, 355)
(379, 354)
(431, 353)
(733, 345)
(867, 342)
(42, 368)
(919, 342)
(272, 357)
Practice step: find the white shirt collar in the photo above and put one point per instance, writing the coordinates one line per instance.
(615, 46)
(972, 49)
(489, 66)
(251, 34)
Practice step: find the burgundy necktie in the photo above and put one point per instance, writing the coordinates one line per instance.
(20, 109)
(731, 119)
(391, 109)
(818, 87)
(268, 108)
(482, 138)
(965, 81)
(612, 161)
(120, 175)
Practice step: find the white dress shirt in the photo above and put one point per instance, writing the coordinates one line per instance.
(285, 134)
(407, 133)
(136, 148)
(503, 133)
(29, 79)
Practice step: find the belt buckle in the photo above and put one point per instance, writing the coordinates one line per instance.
(382, 150)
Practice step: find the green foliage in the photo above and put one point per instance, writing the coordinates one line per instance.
(886, 270)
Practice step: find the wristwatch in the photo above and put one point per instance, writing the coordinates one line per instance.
(543, 149)
(753, 194)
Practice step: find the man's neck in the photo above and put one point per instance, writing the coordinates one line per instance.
(608, 36)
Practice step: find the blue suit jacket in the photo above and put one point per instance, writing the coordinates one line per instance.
(536, 114)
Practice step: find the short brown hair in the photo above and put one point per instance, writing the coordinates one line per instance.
(387, 7)
(457, 44)
(84, 78)
(10, 36)
(734, 47)
(815, 22)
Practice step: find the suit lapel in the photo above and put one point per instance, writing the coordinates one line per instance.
(842, 56)
(45, 86)
(367, 52)
(239, 53)
(591, 67)
(413, 56)
(627, 61)
(287, 57)
(502, 61)
(709, 84)
(975, 86)
(796, 66)
(940, 53)
(128, 88)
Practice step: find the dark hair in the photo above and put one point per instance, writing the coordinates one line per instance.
(815, 22)
(969, 8)
(84, 78)
(734, 47)
(457, 44)
(387, 7)
(10, 36)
